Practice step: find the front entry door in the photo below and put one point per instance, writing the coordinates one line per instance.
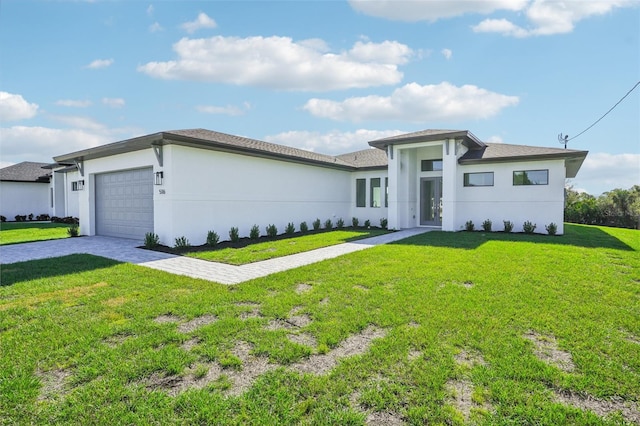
(431, 201)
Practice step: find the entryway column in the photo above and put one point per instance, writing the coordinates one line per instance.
(449, 184)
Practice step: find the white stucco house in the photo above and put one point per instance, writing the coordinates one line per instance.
(186, 182)
(24, 190)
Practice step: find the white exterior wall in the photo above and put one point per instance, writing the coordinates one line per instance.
(373, 214)
(539, 204)
(71, 199)
(211, 190)
(24, 198)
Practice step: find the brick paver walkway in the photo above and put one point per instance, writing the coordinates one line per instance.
(126, 251)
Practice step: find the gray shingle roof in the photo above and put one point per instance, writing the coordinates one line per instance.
(27, 171)
(366, 159)
(503, 151)
(468, 138)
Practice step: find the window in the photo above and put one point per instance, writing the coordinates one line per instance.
(531, 177)
(77, 185)
(478, 179)
(431, 165)
(386, 192)
(361, 192)
(376, 194)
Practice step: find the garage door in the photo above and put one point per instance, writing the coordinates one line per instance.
(124, 203)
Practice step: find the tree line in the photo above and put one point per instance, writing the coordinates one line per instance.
(619, 207)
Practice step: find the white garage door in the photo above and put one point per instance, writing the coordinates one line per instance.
(124, 203)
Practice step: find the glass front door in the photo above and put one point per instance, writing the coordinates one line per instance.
(431, 201)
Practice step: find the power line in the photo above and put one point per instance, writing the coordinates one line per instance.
(565, 139)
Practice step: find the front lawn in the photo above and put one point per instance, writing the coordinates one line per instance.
(24, 232)
(283, 247)
(441, 328)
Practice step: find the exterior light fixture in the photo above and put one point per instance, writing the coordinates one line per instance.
(159, 178)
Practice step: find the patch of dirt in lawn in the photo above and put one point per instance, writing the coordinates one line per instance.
(384, 418)
(54, 383)
(252, 368)
(324, 302)
(196, 323)
(304, 339)
(461, 391)
(469, 358)
(303, 288)
(115, 301)
(414, 354)
(116, 340)
(546, 349)
(413, 324)
(194, 377)
(361, 287)
(353, 345)
(253, 313)
(166, 318)
(468, 284)
(601, 407)
(292, 322)
(190, 344)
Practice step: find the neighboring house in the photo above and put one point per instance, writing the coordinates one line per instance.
(24, 190)
(186, 182)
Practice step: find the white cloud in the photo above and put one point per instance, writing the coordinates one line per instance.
(14, 107)
(113, 102)
(281, 63)
(333, 142)
(202, 21)
(100, 63)
(447, 53)
(416, 103)
(224, 110)
(547, 17)
(73, 103)
(603, 172)
(150, 10)
(494, 139)
(76, 121)
(155, 27)
(431, 10)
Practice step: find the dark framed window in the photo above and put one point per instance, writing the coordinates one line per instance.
(386, 192)
(361, 192)
(478, 179)
(531, 177)
(376, 193)
(77, 185)
(431, 165)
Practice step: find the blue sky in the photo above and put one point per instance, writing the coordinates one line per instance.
(327, 76)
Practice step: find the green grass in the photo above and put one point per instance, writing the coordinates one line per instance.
(24, 232)
(284, 247)
(90, 321)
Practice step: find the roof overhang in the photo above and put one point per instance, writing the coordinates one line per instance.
(573, 160)
(464, 136)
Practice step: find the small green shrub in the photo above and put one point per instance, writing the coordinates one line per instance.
(384, 222)
(469, 226)
(234, 234)
(181, 243)
(354, 222)
(272, 230)
(316, 224)
(254, 233)
(486, 225)
(290, 229)
(528, 227)
(3, 219)
(328, 224)
(151, 240)
(340, 223)
(73, 230)
(508, 225)
(304, 227)
(367, 224)
(212, 238)
(551, 228)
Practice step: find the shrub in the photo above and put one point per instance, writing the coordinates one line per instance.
(272, 231)
(383, 222)
(3, 219)
(367, 223)
(234, 234)
(328, 224)
(182, 243)
(30, 216)
(254, 234)
(528, 227)
(508, 225)
(469, 226)
(551, 228)
(486, 225)
(73, 230)
(212, 238)
(316, 224)
(340, 223)
(69, 219)
(151, 240)
(304, 227)
(354, 222)
(290, 229)
(43, 217)
(20, 218)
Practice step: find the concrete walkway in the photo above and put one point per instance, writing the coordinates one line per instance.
(126, 251)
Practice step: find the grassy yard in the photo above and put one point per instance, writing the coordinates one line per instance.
(24, 232)
(442, 328)
(284, 247)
